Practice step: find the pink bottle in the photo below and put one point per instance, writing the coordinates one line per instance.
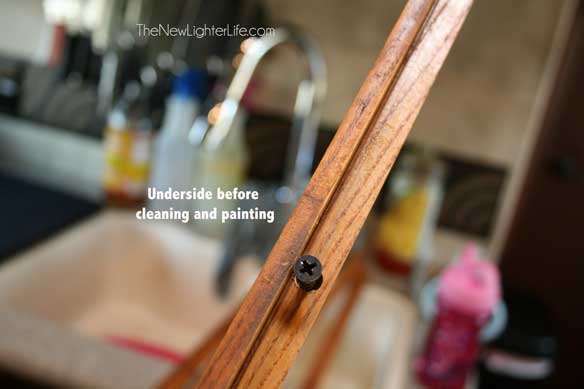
(468, 291)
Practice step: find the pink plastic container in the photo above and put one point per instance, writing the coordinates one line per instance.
(468, 291)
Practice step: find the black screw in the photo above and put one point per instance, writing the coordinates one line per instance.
(308, 272)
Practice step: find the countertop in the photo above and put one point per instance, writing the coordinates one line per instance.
(31, 213)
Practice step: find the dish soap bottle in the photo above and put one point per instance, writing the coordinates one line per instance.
(128, 144)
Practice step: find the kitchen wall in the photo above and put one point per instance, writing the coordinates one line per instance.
(501, 52)
(29, 35)
(486, 103)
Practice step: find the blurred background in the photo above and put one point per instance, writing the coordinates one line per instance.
(101, 99)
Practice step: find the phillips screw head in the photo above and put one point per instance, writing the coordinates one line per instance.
(308, 272)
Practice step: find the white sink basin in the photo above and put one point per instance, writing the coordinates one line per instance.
(152, 282)
(116, 276)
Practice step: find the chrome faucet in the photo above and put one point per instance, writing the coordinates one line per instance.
(256, 239)
(307, 107)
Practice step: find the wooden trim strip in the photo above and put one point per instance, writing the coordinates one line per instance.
(275, 317)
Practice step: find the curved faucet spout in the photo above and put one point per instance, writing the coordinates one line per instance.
(307, 107)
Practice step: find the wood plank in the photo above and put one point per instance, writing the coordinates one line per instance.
(232, 353)
(276, 316)
(336, 232)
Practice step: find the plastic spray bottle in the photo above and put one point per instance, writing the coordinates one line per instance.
(173, 152)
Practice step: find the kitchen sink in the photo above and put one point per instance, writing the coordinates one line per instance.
(113, 277)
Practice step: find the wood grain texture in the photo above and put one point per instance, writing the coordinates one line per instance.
(276, 316)
(190, 369)
(243, 331)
